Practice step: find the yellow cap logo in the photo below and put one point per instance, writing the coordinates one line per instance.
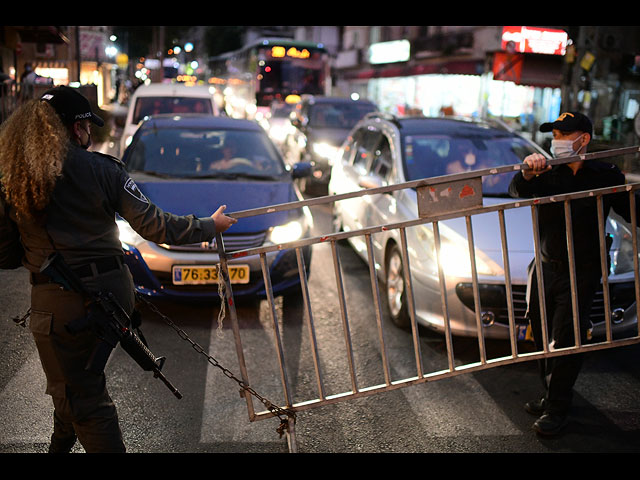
(562, 117)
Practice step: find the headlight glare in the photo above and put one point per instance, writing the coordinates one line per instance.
(128, 235)
(454, 256)
(289, 232)
(324, 150)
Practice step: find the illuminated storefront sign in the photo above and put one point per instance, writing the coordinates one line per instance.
(534, 40)
(389, 52)
(293, 52)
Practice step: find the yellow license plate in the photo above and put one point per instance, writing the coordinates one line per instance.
(207, 274)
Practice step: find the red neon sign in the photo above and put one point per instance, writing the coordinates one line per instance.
(534, 40)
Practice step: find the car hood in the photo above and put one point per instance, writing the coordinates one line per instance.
(486, 228)
(487, 238)
(203, 197)
(333, 136)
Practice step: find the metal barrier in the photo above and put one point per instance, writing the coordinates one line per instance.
(466, 210)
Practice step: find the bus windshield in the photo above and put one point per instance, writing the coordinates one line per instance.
(287, 68)
(292, 77)
(268, 71)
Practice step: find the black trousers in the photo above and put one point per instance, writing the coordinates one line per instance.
(83, 409)
(559, 374)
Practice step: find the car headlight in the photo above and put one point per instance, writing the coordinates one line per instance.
(278, 133)
(289, 232)
(128, 236)
(454, 257)
(621, 254)
(324, 150)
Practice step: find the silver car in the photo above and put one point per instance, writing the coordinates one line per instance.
(382, 150)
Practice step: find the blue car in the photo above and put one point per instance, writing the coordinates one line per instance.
(192, 164)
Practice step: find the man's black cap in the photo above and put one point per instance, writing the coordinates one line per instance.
(569, 122)
(70, 105)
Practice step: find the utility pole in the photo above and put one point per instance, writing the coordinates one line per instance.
(585, 55)
(78, 60)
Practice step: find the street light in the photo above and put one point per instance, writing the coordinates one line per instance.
(111, 51)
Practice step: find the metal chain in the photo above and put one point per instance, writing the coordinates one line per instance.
(22, 321)
(279, 412)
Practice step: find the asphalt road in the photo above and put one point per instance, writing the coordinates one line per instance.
(473, 413)
(478, 412)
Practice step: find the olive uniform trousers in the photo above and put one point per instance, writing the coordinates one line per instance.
(83, 409)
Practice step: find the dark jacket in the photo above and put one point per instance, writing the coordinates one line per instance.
(80, 219)
(561, 180)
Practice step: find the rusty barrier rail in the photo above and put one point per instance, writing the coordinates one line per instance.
(427, 215)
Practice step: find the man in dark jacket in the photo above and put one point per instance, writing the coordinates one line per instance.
(59, 197)
(572, 133)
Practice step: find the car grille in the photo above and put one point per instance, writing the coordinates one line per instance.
(232, 243)
(493, 297)
(519, 294)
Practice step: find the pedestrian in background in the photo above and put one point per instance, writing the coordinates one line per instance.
(59, 197)
(572, 132)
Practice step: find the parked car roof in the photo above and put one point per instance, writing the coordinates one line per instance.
(328, 99)
(201, 120)
(449, 125)
(155, 89)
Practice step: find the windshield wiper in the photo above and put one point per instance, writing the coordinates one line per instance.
(152, 173)
(233, 176)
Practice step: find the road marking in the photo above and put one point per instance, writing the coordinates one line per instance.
(468, 409)
(224, 413)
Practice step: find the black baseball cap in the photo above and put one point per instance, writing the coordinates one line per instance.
(70, 105)
(569, 122)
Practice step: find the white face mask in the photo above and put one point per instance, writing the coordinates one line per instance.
(564, 148)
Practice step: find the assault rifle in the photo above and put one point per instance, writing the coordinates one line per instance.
(109, 321)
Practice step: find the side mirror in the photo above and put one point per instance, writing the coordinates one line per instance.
(301, 170)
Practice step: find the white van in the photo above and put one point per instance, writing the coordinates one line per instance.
(157, 98)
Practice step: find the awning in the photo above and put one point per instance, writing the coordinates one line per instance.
(41, 34)
(49, 64)
(443, 67)
(529, 69)
(542, 70)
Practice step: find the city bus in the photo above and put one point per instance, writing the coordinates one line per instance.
(268, 70)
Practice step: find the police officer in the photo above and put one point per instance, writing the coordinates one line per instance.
(572, 132)
(59, 197)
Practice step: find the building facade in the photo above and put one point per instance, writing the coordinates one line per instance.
(522, 74)
(60, 56)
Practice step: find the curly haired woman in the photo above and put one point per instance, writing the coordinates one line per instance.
(58, 197)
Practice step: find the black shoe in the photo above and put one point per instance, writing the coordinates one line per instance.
(536, 407)
(550, 423)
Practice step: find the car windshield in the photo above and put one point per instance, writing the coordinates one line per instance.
(195, 153)
(281, 111)
(338, 115)
(435, 155)
(147, 106)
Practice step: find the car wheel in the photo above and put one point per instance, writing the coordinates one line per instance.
(395, 289)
